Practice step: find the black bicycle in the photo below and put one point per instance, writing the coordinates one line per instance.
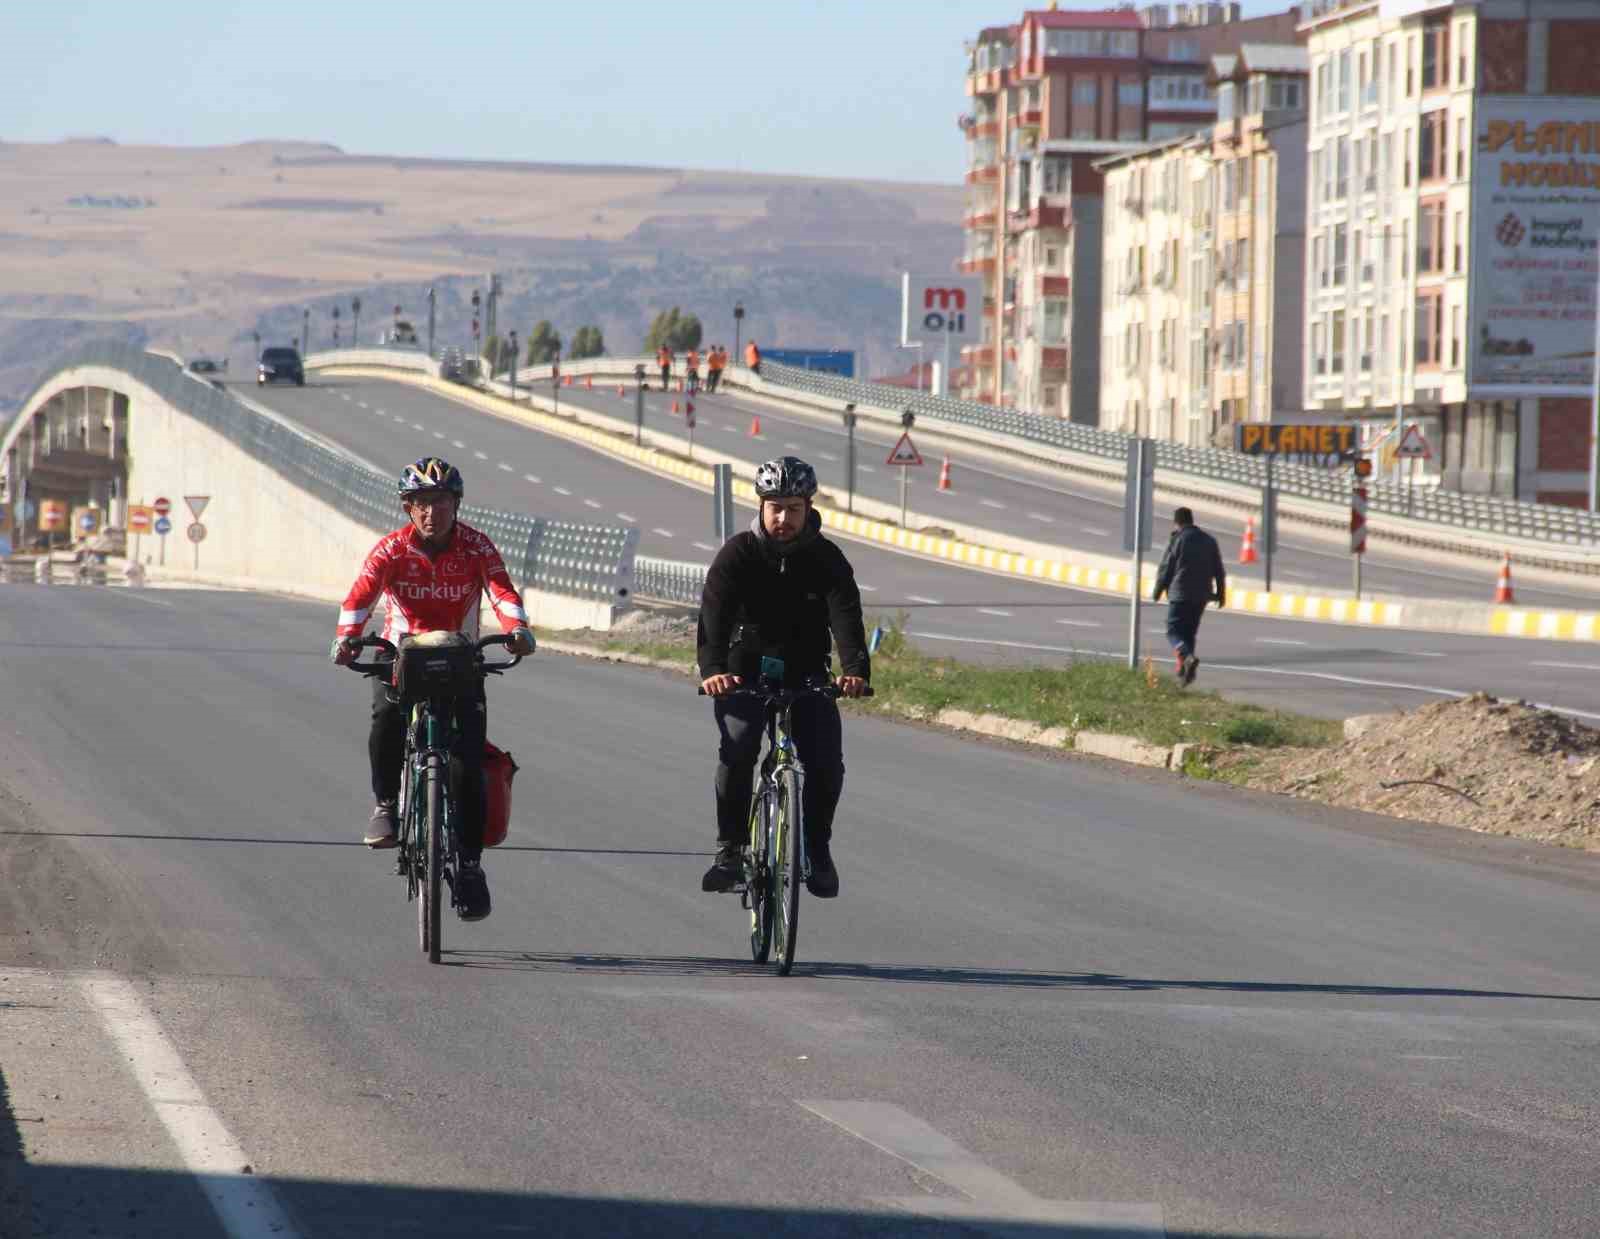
(775, 862)
(431, 671)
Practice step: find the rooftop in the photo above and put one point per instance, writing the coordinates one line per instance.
(1104, 19)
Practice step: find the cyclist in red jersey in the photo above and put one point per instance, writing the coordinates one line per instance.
(431, 576)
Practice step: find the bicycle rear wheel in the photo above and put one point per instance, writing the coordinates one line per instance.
(428, 915)
(786, 875)
(757, 866)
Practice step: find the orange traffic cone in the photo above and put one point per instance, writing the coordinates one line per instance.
(1502, 591)
(566, 380)
(944, 474)
(588, 382)
(1247, 548)
(674, 406)
(680, 384)
(755, 426)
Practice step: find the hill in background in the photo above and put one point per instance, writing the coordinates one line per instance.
(193, 249)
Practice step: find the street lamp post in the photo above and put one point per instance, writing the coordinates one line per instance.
(738, 324)
(908, 419)
(477, 303)
(355, 325)
(850, 457)
(430, 321)
(638, 409)
(513, 367)
(555, 381)
(305, 328)
(335, 326)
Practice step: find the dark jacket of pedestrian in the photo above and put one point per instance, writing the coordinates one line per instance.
(780, 600)
(1191, 570)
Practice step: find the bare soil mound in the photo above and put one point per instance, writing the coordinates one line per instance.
(1499, 767)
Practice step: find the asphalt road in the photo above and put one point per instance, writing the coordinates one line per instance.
(1070, 512)
(1328, 669)
(1048, 979)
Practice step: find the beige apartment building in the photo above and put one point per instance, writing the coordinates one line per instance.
(1394, 140)
(1051, 95)
(1205, 255)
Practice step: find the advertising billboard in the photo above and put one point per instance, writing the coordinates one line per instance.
(933, 307)
(1535, 229)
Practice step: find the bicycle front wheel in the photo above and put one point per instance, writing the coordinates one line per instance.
(786, 875)
(428, 915)
(757, 866)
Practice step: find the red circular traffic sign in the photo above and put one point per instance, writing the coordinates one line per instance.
(162, 506)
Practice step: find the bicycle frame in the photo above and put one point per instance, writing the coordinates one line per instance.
(430, 739)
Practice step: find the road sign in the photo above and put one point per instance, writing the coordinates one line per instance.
(163, 525)
(87, 520)
(162, 506)
(1414, 444)
(141, 518)
(1310, 438)
(197, 531)
(197, 504)
(52, 514)
(905, 452)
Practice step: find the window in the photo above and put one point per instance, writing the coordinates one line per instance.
(1380, 346)
(1430, 239)
(1386, 161)
(1341, 183)
(1411, 66)
(1115, 43)
(1336, 343)
(1052, 257)
(1369, 181)
(1241, 262)
(1315, 186)
(1463, 60)
(1435, 54)
(1432, 151)
(1055, 320)
(1455, 337)
(1383, 258)
(1405, 159)
(1339, 244)
(1057, 171)
(1130, 95)
(1363, 270)
(1085, 103)
(1461, 148)
(1459, 263)
(1319, 268)
(1428, 328)
(1257, 95)
(1405, 246)
(1283, 93)
(1395, 54)
(1344, 80)
(1226, 109)
(1362, 339)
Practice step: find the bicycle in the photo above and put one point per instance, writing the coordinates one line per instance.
(775, 862)
(430, 671)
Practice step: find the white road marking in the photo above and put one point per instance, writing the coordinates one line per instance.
(993, 503)
(363, 404)
(932, 602)
(458, 444)
(562, 490)
(481, 455)
(143, 597)
(989, 1194)
(627, 518)
(1072, 623)
(344, 395)
(418, 426)
(865, 469)
(793, 447)
(590, 503)
(534, 478)
(866, 589)
(1040, 516)
(733, 430)
(507, 468)
(245, 1205)
(1099, 533)
(827, 456)
(704, 546)
(438, 434)
(1567, 666)
(1279, 641)
(994, 611)
(665, 533)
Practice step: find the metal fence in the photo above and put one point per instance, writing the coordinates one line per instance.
(669, 580)
(584, 561)
(1481, 513)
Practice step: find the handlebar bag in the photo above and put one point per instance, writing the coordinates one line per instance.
(499, 768)
(435, 666)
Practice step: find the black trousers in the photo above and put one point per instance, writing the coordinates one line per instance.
(386, 745)
(666, 373)
(1183, 625)
(819, 739)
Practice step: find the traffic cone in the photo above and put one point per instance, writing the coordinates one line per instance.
(588, 382)
(944, 474)
(1502, 591)
(566, 380)
(674, 406)
(755, 426)
(1247, 548)
(680, 385)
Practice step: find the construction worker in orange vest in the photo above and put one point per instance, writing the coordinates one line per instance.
(715, 360)
(693, 373)
(752, 357)
(664, 360)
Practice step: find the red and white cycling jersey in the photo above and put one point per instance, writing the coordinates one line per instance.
(431, 594)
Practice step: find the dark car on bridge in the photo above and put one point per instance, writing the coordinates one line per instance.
(281, 365)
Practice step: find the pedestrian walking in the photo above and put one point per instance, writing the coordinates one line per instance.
(1191, 575)
(752, 357)
(715, 360)
(692, 374)
(664, 360)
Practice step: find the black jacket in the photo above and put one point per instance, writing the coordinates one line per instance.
(759, 602)
(1191, 570)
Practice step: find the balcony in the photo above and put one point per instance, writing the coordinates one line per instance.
(983, 173)
(985, 128)
(1042, 216)
(1054, 359)
(1055, 286)
(980, 219)
(1030, 118)
(977, 354)
(977, 266)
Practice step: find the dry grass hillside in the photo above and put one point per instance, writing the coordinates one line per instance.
(193, 248)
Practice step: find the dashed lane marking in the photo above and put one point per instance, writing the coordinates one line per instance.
(932, 602)
(438, 434)
(665, 533)
(993, 503)
(1072, 623)
(534, 478)
(562, 490)
(1040, 516)
(1090, 529)
(457, 443)
(417, 426)
(627, 518)
(1279, 641)
(704, 546)
(506, 468)
(827, 456)
(481, 455)
(994, 611)
(865, 469)
(590, 503)
(1566, 666)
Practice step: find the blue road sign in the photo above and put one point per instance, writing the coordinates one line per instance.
(163, 526)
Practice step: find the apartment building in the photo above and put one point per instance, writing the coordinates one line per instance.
(1402, 96)
(1050, 95)
(1205, 245)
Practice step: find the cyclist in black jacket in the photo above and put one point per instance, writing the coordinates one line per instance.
(777, 591)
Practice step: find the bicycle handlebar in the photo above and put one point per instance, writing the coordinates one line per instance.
(373, 641)
(829, 689)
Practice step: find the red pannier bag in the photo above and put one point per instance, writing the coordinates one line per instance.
(499, 768)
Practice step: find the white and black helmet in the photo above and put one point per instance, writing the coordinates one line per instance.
(788, 477)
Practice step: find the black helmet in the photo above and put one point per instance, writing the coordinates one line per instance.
(788, 477)
(431, 473)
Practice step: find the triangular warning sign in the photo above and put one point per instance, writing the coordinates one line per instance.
(905, 452)
(1413, 445)
(197, 504)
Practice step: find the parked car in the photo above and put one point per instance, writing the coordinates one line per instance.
(204, 365)
(281, 365)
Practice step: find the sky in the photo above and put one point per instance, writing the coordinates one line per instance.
(812, 87)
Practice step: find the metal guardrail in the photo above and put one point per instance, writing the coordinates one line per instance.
(669, 580)
(584, 561)
(1483, 513)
